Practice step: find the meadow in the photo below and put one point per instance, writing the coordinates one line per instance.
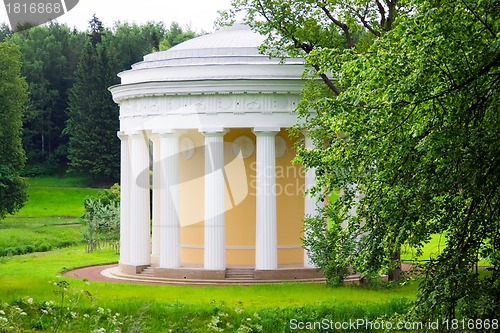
(36, 296)
(50, 218)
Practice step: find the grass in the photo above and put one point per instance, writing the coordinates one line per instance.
(429, 250)
(47, 201)
(54, 196)
(38, 234)
(54, 181)
(192, 309)
(48, 221)
(17, 279)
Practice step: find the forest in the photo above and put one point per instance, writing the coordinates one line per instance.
(69, 108)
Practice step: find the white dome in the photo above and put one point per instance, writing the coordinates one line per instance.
(225, 62)
(214, 81)
(236, 44)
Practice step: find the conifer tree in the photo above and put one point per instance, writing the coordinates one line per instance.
(13, 98)
(93, 116)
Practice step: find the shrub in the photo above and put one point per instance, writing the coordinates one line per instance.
(44, 247)
(30, 248)
(102, 219)
(65, 314)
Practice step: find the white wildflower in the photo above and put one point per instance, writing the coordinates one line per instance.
(2, 312)
(100, 310)
(23, 313)
(30, 300)
(4, 319)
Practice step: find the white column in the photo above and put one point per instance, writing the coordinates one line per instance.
(124, 200)
(140, 243)
(215, 237)
(170, 253)
(266, 249)
(156, 195)
(310, 203)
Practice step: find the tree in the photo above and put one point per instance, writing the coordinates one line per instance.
(92, 115)
(412, 119)
(129, 43)
(297, 28)
(48, 56)
(4, 32)
(321, 32)
(13, 98)
(175, 35)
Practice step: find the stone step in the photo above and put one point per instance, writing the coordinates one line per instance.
(240, 273)
(239, 276)
(146, 278)
(148, 271)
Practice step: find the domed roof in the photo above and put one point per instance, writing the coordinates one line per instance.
(236, 44)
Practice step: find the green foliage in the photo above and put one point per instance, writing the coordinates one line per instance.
(420, 138)
(81, 181)
(49, 55)
(175, 35)
(184, 308)
(93, 116)
(41, 234)
(64, 314)
(13, 99)
(326, 249)
(412, 120)
(55, 196)
(130, 42)
(13, 192)
(73, 309)
(5, 32)
(102, 219)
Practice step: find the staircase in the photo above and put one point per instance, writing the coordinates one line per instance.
(240, 273)
(147, 272)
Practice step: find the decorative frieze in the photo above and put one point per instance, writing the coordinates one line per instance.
(239, 104)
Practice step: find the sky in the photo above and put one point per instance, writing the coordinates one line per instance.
(199, 15)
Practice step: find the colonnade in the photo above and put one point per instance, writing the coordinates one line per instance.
(135, 244)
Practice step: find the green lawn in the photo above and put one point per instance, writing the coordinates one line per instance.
(17, 279)
(54, 181)
(38, 234)
(429, 250)
(54, 196)
(55, 201)
(185, 308)
(49, 221)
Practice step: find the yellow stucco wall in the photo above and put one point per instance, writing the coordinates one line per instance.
(240, 218)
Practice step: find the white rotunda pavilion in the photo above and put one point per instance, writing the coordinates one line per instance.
(206, 157)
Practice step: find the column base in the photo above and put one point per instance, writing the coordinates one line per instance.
(131, 269)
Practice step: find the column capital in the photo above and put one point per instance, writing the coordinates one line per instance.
(121, 135)
(135, 133)
(266, 131)
(213, 131)
(168, 132)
